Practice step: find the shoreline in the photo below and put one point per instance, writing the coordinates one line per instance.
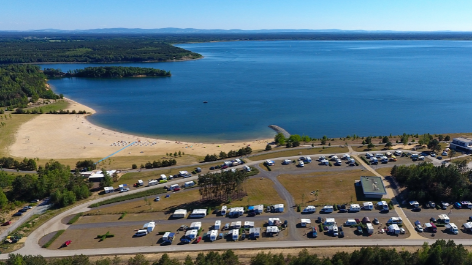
(74, 136)
(167, 61)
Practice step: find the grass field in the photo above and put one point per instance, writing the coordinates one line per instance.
(296, 152)
(385, 171)
(333, 187)
(259, 191)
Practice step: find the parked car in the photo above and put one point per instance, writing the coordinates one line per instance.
(6, 223)
(416, 209)
(439, 157)
(457, 205)
(419, 228)
(432, 219)
(157, 199)
(444, 205)
(67, 243)
(359, 230)
(433, 154)
(341, 234)
(198, 240)
(432, 204)
(18, 214)
(375, 221)
(212, 168)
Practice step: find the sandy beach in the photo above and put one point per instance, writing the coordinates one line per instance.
(73, 136)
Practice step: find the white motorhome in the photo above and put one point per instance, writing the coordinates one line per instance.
(213, 235)
(174, 187)
(189, 184)
(223, 210)
(163, 177)
(370, 228)
(140, 182)
(217, 225)
(305, 222)
(235, 234)
(330, 221)
(195, 225)
(309, 209)
(452, 228)
(149, 226)
(198, 213)
(443, 218)
(327, 209)
(368, 206)
(152, 182)
(354, 208)
(350, 222)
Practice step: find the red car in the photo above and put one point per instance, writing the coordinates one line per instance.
(176, 189)
(6, 223)
(67, 243)
(198, 240)
(224, 167)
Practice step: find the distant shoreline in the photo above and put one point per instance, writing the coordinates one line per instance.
(167, 61)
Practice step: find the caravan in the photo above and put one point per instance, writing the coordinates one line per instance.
(368, 206)
(309, 209)
(354, 208)
(213, 235)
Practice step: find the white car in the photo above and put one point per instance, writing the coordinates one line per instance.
(419, 228)
(444, 153)
(157, 199)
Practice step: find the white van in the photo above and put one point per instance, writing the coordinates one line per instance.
(452, 228)
(223, 210)
(354, 208)
(327, 209)
(301, 164)
(141, 232)
(350, 222)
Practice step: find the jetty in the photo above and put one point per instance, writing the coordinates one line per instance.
(279, 129)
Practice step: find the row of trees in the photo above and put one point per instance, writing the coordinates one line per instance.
(439, 253)
(442, 183)
(18, 83)
(163, 163)
(293, 141)
(90, 49)
(40, 111)
(107, 72)
(223, 155)
(26, 164)
(54, 180)
(222, 186)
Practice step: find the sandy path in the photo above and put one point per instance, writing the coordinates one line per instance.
(73, 136)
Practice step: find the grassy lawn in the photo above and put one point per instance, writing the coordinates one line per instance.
(55, 106)
(333, 187)
(296, 152)
(365, 149)
(259, 191)
(385, 171)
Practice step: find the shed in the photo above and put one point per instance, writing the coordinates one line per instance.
(255, 232)
(198, 213)
(195, 225)
(248, 224)
(108, 189)
(180, 213)
(149, 226)
(305, 222)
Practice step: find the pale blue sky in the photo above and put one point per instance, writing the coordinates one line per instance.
(410, 15)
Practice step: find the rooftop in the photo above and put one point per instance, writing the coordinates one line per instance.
(373, 185)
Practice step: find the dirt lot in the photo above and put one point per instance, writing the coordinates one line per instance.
(333, 187)
(259, 191)
(301, 152)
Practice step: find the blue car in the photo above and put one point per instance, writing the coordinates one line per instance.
(457, 205)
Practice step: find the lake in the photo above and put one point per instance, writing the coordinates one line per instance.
(316, 88)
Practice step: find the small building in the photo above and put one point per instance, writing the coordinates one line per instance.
(248, 224)
(149, 226)
(191, 234)
(373, 187)
(255, 232)
(305, 222)
(180, 213)
(195, 225)
(217, 225)
(273, 221)
(198, 213)
(213, 235)
(235, 234)
(189, 184)
(272, 230)
(461, 144)
(236, 225)
(278, 208)
(368, 206)
(108, 189)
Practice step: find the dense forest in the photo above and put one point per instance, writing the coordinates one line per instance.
(428, 182)
(441, 252)
(89, 49)
(18, 83)
(107, 72)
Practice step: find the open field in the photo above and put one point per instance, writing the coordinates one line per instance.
(384, 171)
(333, 187)
(259, 191)
(301, 152)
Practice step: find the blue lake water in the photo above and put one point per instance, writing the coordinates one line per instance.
(307, 87)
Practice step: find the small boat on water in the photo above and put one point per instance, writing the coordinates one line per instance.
(205, 101)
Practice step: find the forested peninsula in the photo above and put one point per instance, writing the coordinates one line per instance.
(89, 49)
(20, 84)
(106, 72)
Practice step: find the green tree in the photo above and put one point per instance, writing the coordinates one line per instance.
(138, 259)
(3, 199)
(370, 146)
(385, 140)
(279, 139)
(433, 144)
(268, 147)
(447, 138)
(388, 144)
(107, 181)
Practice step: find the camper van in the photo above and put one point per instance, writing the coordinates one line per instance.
(395, 220)
(141, 232)
(235, 234)
(309, 209)
(223, 210)
(368, 206)
(217, 225)
(213, 235)
(163, 177)
(152, 182)
(307, 159)
(327, 209)
(350, 222)
(443, 218)
(354, 208)
(189, 184)
(452, 228)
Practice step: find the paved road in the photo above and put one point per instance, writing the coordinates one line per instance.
(32, 248)
(25, 217)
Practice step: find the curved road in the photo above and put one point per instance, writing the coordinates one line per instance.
(32, 247)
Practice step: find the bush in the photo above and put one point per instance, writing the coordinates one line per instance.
(268, 167)
(268, 147)
(365, 160)
(321, 227)
(299, 208)
(134, 166)
(335, 207)
(122, 215)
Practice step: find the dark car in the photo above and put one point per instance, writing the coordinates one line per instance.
(432, 219)
(341, 234)
(470, 218)
(384, 210)
(340, 228)
(251, 214)
(224, 167)
(6, 223)
(375, 221)
(416, 209)
(457, 205)
(359, 230)
(212, 168)
(18, 214)
(439, 157)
